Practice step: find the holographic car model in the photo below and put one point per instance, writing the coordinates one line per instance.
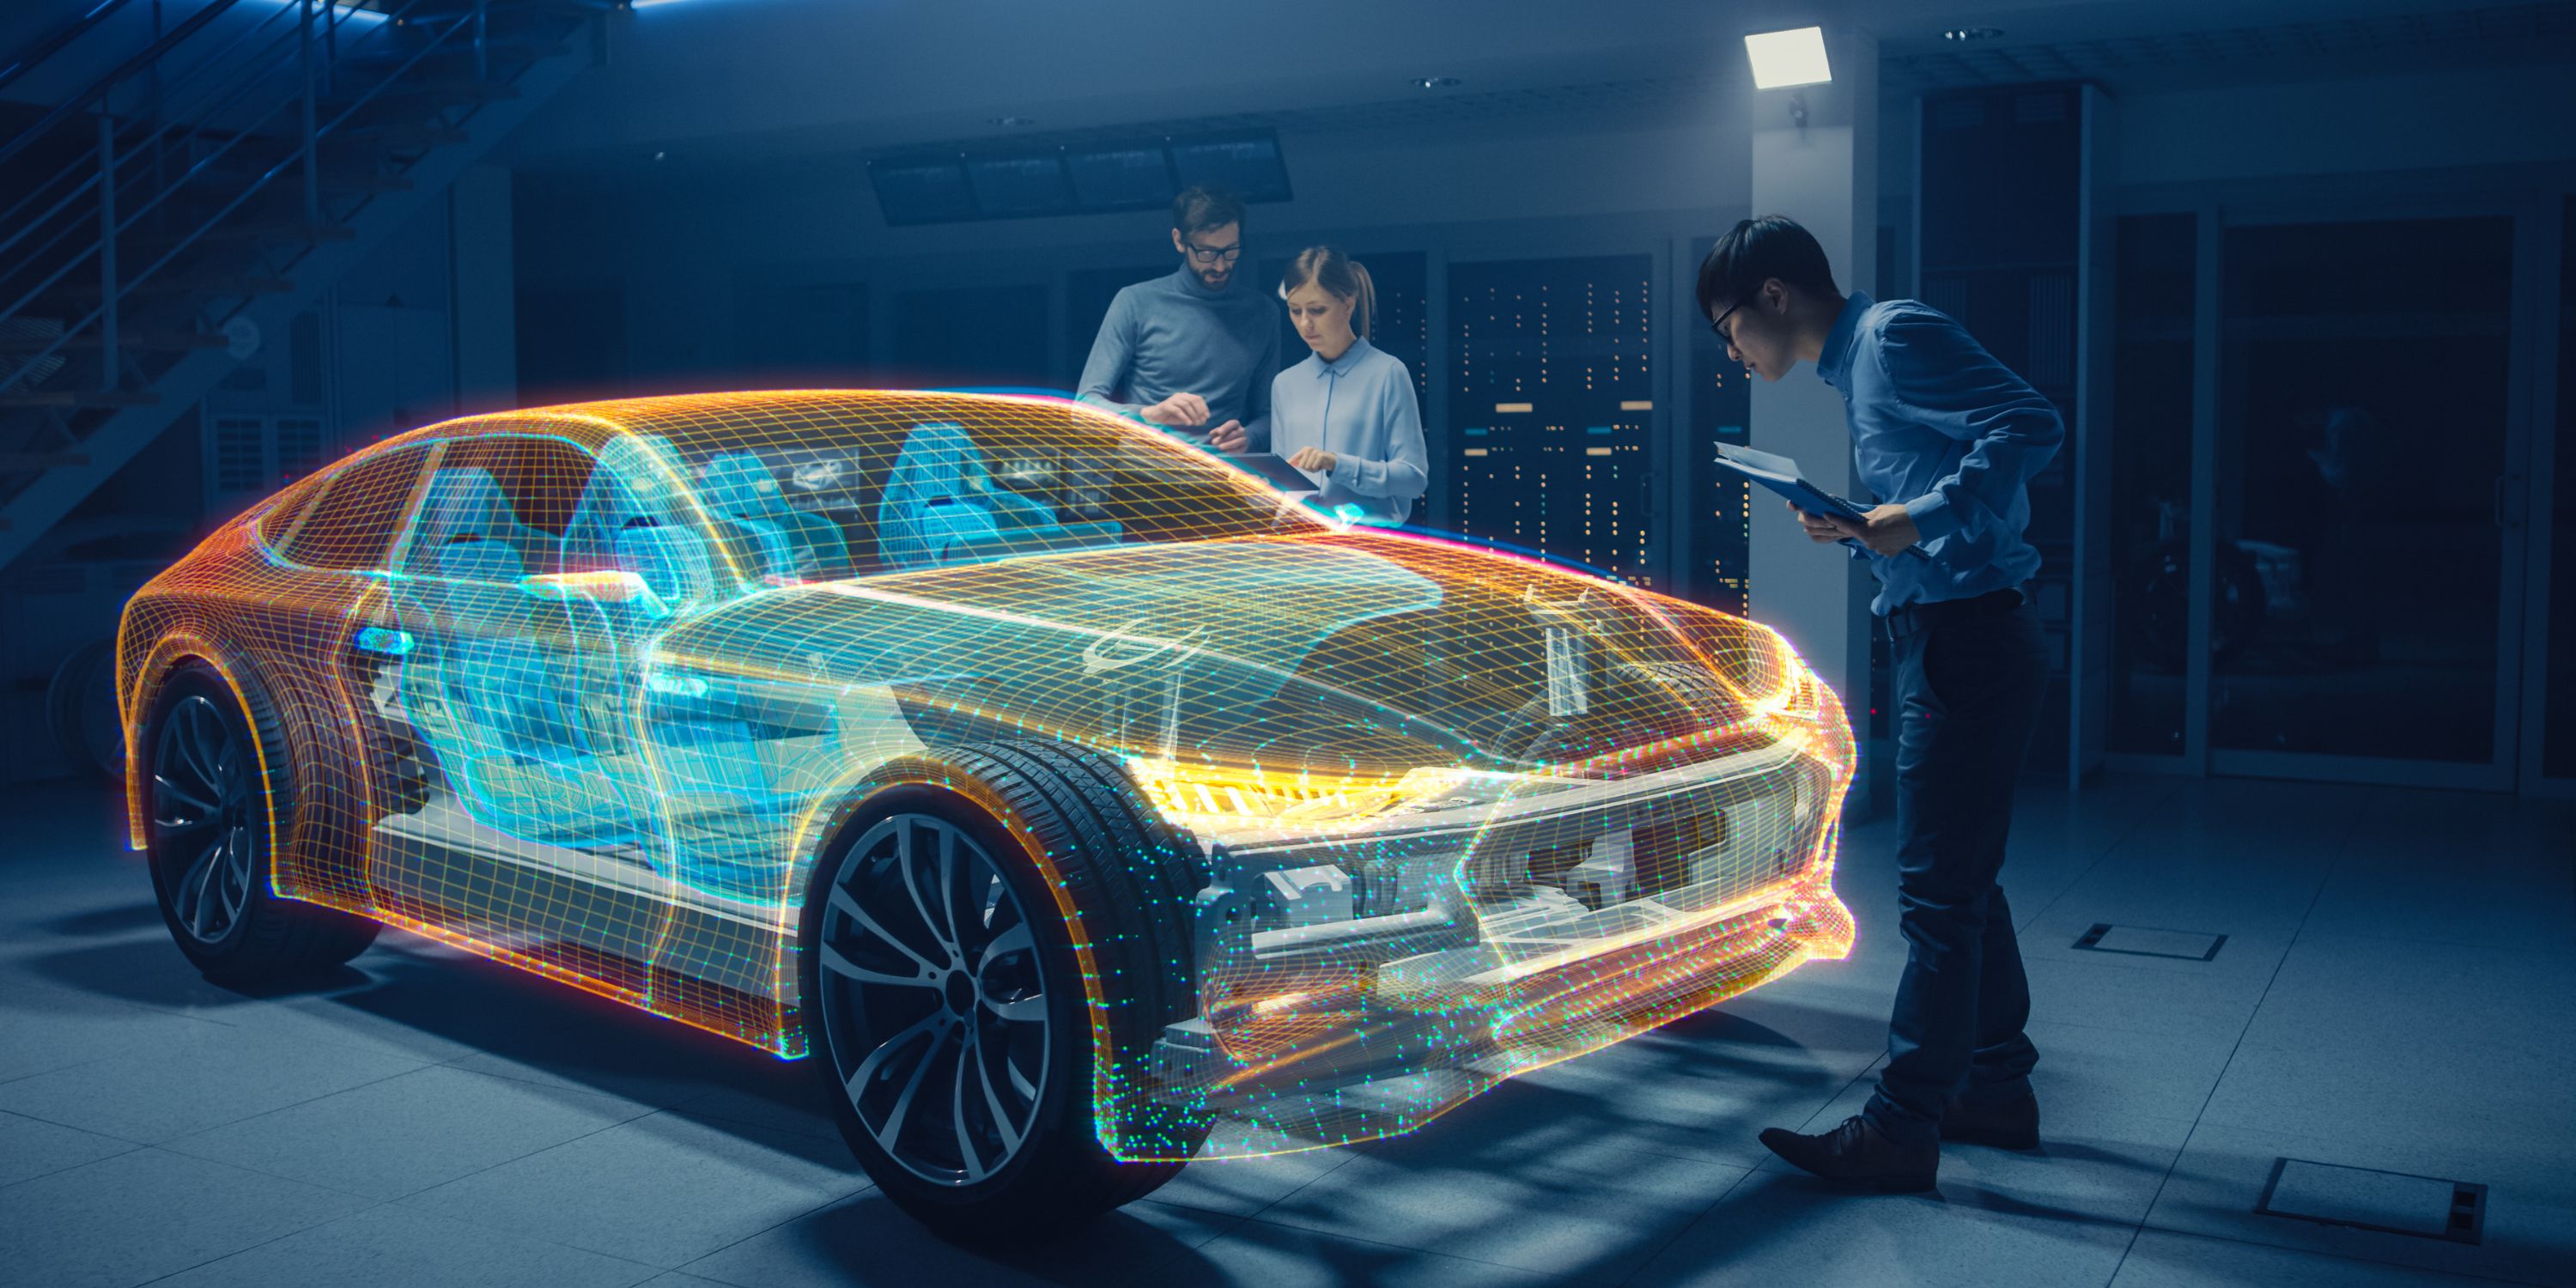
(1079, 805)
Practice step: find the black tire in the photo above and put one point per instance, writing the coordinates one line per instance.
(878, 1020)
(210, 801)
(80, 706)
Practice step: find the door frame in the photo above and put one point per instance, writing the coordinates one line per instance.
(2546, 271)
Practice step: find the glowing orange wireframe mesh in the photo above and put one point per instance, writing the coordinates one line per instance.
(584, 689)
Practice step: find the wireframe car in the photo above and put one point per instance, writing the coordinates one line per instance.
(1080, 805)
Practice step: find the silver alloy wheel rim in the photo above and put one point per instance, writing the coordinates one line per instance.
(934, 1001)
(202, 818)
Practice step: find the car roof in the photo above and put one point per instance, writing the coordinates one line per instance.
(700, 427)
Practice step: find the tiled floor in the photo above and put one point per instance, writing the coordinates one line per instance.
(2393, 993)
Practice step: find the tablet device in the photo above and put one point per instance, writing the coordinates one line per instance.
(1273, 469)
(1782, 475)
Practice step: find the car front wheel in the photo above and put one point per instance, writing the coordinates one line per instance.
(944, 999)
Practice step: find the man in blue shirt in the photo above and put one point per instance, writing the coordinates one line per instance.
(1194, 351)
(1950, 438)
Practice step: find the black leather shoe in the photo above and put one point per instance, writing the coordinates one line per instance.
(2013, 1124)
(1857, 1153)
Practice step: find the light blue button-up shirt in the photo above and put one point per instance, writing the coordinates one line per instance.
(1359, 407)
(1937, 423)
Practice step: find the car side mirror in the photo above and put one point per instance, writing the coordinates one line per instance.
(601, 586)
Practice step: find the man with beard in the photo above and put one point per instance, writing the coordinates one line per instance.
(1194, 352)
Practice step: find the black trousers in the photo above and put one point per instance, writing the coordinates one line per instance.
(1969, 685)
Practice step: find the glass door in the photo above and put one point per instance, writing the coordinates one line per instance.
(2365, 575)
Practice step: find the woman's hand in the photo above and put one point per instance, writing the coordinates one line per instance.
(1230, 437)
(1314, 460)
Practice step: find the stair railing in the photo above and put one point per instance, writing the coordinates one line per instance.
(43, 48)
(225, 98)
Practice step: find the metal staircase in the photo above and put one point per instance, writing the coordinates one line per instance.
(157, 225)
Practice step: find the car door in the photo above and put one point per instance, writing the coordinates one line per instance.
(521, 621)
(313, 630)
(503, 674)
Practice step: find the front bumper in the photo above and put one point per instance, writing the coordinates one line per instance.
(1538, 934)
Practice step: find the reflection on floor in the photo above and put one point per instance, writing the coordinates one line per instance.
(2391, 994)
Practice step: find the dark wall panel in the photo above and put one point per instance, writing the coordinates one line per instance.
(971, 335)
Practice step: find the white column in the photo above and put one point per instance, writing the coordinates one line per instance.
(1824, 174)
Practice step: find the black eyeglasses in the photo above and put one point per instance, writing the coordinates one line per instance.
(1215, 254)
(1719, 326)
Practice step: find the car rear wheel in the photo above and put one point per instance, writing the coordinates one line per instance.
(945, 1004)
(80, 705)
(211, 799)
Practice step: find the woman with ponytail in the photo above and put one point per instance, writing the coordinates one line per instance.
(1346, 415)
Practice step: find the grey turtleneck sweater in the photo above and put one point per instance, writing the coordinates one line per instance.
(1173, 335)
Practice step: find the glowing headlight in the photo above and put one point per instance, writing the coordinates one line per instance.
(1797, 699)
(1224, 796)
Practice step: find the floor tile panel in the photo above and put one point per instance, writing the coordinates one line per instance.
(1543, 1199)
(2083, 1069)
(1277, 1256)
(867, 1240)
(147, 1213)
(46, 1026)
(393, 1247)
(209, 1076)
(2514, 1105)
(2160, 1259)
(2399, 1039)
(30, 1148)
(2100, 993)
(2352, 992)
(1783, 1228)
(409, 1132)
(2244, 964)
(2530, 1232)
(2423, 868)
(664, 1189)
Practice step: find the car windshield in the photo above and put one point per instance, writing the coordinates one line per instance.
(815, 486)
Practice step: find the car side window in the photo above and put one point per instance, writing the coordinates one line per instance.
(277, 519)
(497, 507)
(353, 521)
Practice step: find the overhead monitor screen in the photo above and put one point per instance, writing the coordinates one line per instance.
(922, 190)
(1010, 186)
(1247, 163)
(1129, 178)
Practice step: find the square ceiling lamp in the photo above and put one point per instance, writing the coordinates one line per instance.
(1785, 58)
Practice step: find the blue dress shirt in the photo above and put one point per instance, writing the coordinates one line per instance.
(1359, 407)
(1937, 423)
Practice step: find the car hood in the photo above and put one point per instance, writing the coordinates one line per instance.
(1357, 649)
